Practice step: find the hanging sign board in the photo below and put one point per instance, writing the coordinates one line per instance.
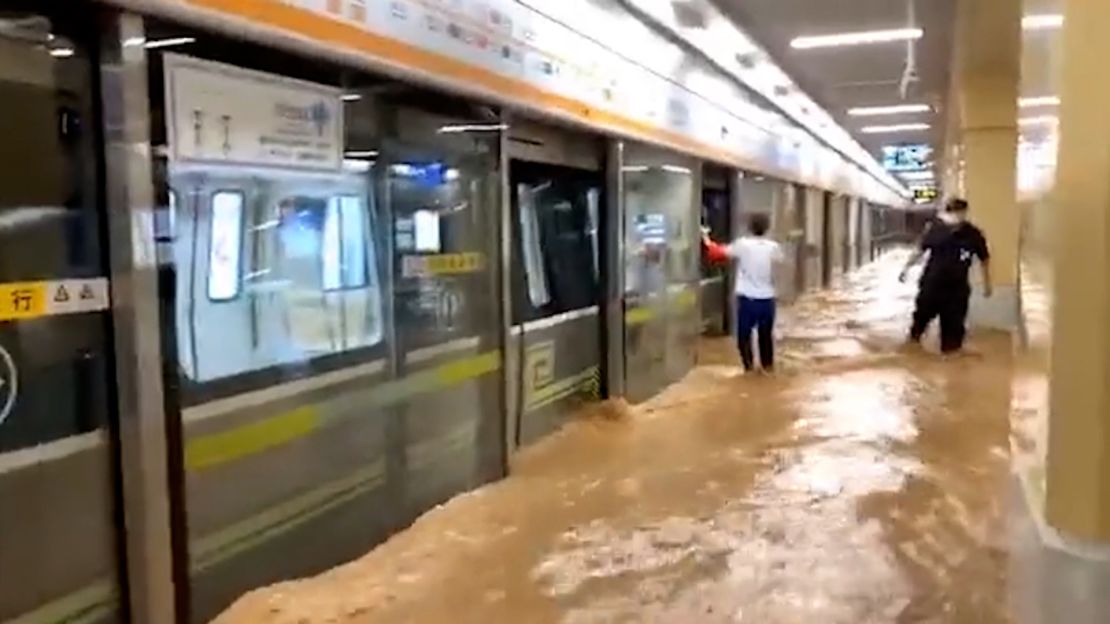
(217, 113)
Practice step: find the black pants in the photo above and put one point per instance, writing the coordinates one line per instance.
(950, 303)
(758, 315)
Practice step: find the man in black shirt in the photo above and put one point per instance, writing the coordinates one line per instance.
(952, 244)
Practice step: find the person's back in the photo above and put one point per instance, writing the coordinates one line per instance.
(756, 257)
(952, 246)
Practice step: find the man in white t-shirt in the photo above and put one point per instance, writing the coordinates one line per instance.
(756, 257)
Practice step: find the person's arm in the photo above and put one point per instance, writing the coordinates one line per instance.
(918, 254)
(988, 285)
(716, 252)
(984, 254)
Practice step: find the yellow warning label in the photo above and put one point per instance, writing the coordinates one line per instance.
(443, 264)
(22, 300)
(28, 300)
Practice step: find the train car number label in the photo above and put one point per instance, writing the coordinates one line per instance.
(28, 300)
(9, 384)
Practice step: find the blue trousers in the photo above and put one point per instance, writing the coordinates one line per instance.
(757, 315)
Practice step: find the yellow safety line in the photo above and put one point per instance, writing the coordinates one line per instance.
(211, 450)
(208, 451)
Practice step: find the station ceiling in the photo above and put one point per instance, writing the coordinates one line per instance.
(841, 78)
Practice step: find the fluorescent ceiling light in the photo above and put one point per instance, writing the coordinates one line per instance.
(676, 169)
(134, 42)
(166, 43)
(1044, 120)
(350, 97)
(894, 128)
(918, 176)
(62, 52)
(897, 109)
(455, 129)
(361, 154)
(857, 38)
(1031, 102)
(1042, 22)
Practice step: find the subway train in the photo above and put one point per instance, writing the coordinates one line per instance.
(349, 277)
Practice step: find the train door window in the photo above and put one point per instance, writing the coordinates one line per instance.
(593, 206)
(534, 273)
(226, 246)
(427, 235)
(345, 244)
(555, 239)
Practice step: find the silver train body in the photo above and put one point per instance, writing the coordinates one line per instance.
(343, 350)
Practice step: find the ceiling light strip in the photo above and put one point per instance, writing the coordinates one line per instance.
(910, 127)
(897, 109)
(856, 38)
(1047, 21)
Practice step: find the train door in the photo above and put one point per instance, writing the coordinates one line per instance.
(786, 229)
(662, 319)
(828, 245)
(210, 210)
(556, 182)
(441, 174)
(716, 221)
(800, 234)
(59, 529)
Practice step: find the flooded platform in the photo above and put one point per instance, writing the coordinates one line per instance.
(863, 483)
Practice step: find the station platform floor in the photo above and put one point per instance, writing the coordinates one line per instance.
(864, 482)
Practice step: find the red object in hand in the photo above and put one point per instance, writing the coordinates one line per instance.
(716, 253)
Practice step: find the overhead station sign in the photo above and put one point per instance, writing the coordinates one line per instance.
(219, 113)
(907, 157)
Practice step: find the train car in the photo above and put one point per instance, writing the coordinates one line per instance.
(275, 281)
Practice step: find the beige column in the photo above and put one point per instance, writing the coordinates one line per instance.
(1078, 472)
(983, 125)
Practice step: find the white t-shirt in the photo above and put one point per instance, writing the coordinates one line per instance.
(756, 258)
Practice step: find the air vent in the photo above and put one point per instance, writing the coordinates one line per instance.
(688, 15)
(747, 61)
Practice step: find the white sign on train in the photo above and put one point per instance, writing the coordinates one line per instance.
(219, 113)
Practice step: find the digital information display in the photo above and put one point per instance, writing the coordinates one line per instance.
(916, 157)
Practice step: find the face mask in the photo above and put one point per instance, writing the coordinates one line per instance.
(949, 218)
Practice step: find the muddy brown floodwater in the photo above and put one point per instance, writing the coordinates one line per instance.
(864, 483)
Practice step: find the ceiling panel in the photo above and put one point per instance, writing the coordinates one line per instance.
(842, 78)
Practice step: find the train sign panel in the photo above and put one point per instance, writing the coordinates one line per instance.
(219, 113)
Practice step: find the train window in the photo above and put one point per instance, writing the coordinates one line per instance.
(534, 273)
(426, 225)
(593, 205)
(344, 245)
(164, 219)
(226, 247)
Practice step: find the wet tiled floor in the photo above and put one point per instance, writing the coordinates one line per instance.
(863, 483)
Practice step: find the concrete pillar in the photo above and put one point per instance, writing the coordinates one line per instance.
(1078, 471)
(983, 126)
